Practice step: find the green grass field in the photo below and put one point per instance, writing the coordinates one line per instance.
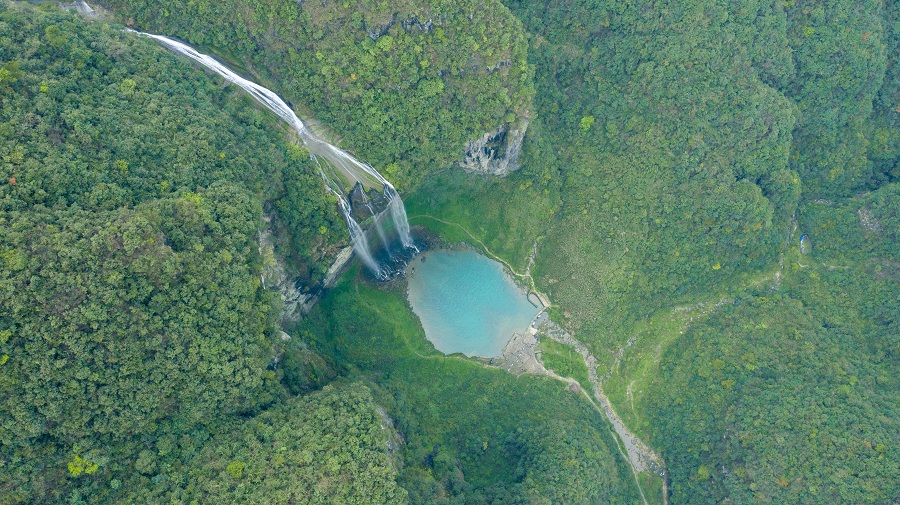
(439, 404)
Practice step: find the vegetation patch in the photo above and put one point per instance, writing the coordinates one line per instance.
(537, 429)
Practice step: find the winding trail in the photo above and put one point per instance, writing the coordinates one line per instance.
(574, 385)
(526, 275)
(640, 457)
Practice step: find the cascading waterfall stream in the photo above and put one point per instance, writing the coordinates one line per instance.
(398, 214)
(360, 243)
(84, 9)
(343, 163)
(379, 228)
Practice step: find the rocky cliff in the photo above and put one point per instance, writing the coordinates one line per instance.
(496, 152)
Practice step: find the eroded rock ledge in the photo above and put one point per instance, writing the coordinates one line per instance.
(297, 299)
(496, 152)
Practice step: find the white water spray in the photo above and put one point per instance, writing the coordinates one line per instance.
(84, 9)
(398, 214)
(345, 166)
(360, 242)
(376, 223)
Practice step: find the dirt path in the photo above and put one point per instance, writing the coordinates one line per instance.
(526, 275)
(639, 456)
(575, 386)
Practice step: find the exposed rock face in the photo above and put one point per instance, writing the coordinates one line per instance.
(297, 298)
(341, 261)
(412, 24)
(496, 152)
(394, 441)
(275, 277)
(375, 29)
(365, 205)
(868, 221)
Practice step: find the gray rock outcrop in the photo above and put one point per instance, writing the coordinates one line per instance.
(297, 299)
(496, 152)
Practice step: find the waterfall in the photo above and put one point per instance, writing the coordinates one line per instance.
(379, 228)
(359, 240)
(84, 9)
(342, 165)
(398, 214)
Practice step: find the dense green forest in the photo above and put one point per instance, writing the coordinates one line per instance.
(793, 396)
(675, 154)
(407, 83)
(134, 333)
(808, 419)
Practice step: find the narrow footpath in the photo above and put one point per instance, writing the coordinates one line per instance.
(519, 358)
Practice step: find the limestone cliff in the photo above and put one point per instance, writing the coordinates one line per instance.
(496, 152)
(296, 297)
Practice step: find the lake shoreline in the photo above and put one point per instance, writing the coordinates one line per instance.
(466, 301)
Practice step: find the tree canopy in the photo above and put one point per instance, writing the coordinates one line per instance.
(133, 327)
(405, 83)
(792, 396)
(676, 152)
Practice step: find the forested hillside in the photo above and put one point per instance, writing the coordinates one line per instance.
(670, 152)
(681, 145)
(793, 396)
(676, 154)
(133, 328)
(407, 83)
(675, 143)
(839, 57)
(884, 139)
(683, 137)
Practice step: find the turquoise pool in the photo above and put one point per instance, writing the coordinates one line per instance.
(467, 303)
